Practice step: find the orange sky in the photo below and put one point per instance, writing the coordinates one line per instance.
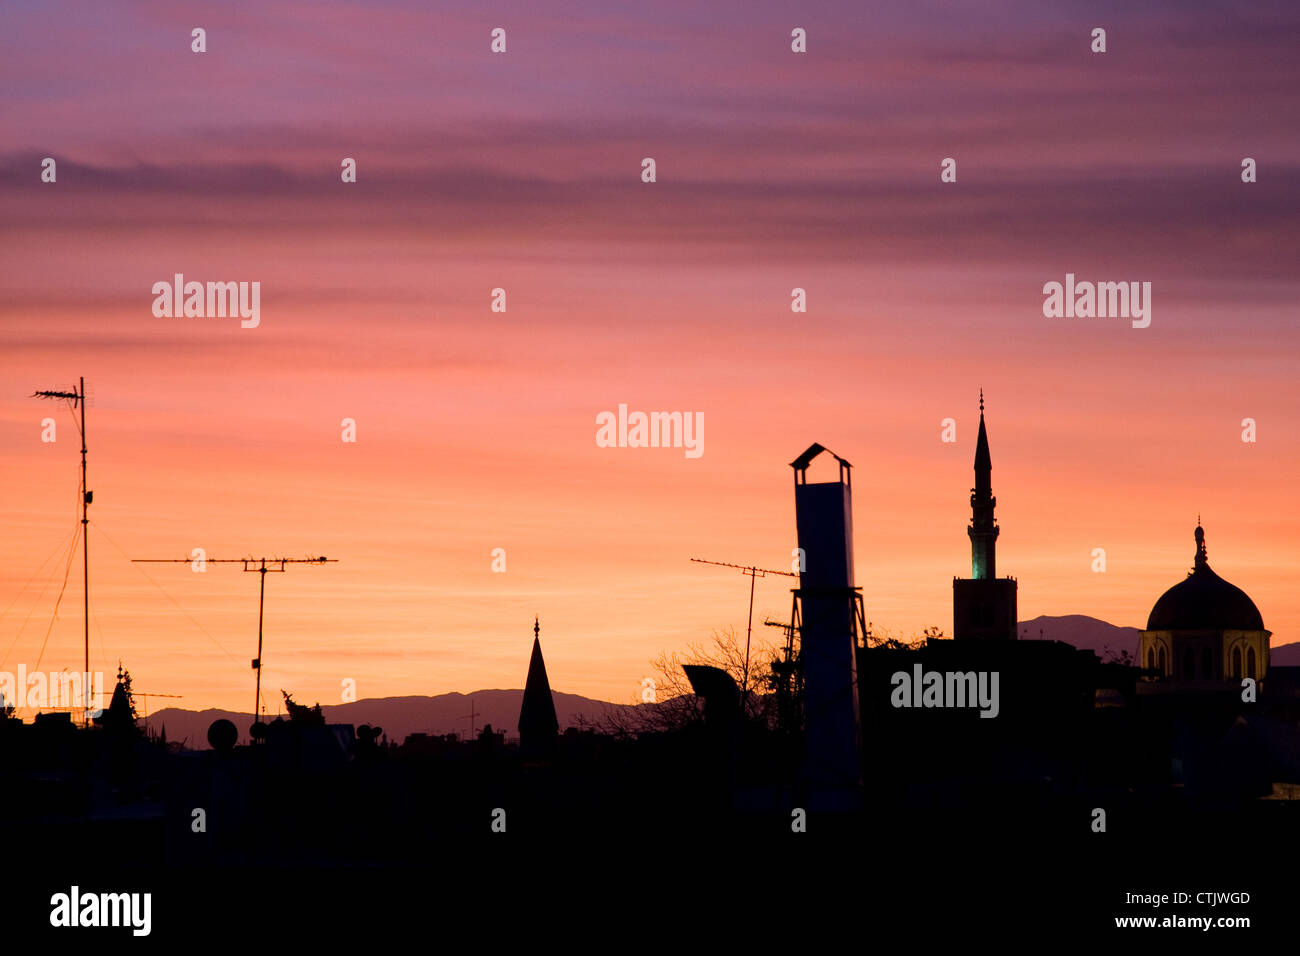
(476, 429)
(231, 441)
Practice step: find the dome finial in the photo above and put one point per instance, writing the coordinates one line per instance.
(1200, 543)
(981, 401)
(537, 626)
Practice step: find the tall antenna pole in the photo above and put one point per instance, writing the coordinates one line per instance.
(262, 566)
(78, 400)
(471, 716)
(753, 573)
(257, 662)
(85, 561)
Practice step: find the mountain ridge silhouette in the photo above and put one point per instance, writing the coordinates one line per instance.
(398, 716)
(448, 713)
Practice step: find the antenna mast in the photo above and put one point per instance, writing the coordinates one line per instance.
(471, 715)
(753, 573)
(262, 566)
(78, 399)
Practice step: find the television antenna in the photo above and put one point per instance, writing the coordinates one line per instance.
(77, 397)
(262, 566)
(753, 573)
(470, 716)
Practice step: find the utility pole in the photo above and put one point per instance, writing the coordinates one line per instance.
(78, 400)
(471, 715)
(753, 573)
(789, 635)
(261, 566)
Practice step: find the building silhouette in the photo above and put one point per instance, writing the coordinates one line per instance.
(538, 725)
(829, 613)
(983, 607)
(1204, 631)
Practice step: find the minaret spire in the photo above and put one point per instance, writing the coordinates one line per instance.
(983, 528)
(983, 605)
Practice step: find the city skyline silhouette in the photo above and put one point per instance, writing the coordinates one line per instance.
(420, 414)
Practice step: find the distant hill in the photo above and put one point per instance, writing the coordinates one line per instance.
(448, 713)
(1083, 632)
(1088, 633)
(398, 716)
(1285, 655)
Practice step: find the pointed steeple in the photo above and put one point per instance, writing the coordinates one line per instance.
(983, 528)
(118, 717)
(983, 461)
(538, 725)
(983, 605)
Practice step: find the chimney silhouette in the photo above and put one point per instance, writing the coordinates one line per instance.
(829, 606)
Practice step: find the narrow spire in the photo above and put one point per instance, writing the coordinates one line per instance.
(537, 720)
(1201, 558)
(983, 528)
(983, 461)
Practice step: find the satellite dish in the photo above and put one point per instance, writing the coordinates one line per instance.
(222, 735)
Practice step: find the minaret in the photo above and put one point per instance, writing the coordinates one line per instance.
(983, 528)
(983, 606)
(538, 726)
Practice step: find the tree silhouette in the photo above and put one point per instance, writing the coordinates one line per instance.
(1110, 656)
(301, 713)
(130, 697)
(666, 701)
(887, 638)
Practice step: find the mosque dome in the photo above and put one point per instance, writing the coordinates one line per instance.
(1204, 602)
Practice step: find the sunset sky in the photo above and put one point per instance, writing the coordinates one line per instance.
(475, 429)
